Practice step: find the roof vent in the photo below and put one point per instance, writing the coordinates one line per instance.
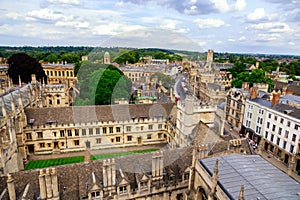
(288, 112)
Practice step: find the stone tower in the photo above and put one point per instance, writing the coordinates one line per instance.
(106, 58)
(209, 59)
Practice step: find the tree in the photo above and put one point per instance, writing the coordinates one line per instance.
(237, 68)
(70, 57)
(51, 58)
(256, 76)
(101, 84)
(23, 65)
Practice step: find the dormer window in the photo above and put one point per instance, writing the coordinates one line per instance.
(143, 185)
(186, 176)
(95, 195)
(123, 189)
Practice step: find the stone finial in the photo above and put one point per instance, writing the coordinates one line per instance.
(9, 177)
(216, 169)
(53, 170)
(47, 171)
(241, 195)
(41, 172)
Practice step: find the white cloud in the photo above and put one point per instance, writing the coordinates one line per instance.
(257, 14)
(120, 3)
(44, 14)
(209, 23)
(276, 27)
(292, 43)
(201, 44)
(13, 15)
(70, 2)
(268, 36)
(224, 6)
(77, 24)
(242, 38)
(182, 30)
(231, 40)
(114, 28)
(219, 42)
(169, 24)
(240, 5)
(221, 5)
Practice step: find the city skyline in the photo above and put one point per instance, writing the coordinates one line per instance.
(240, 26)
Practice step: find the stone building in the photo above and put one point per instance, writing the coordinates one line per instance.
(59, 73)
(106, 58)
(211, 93)
(13, 119)
(235, 105)
(95, 127)
(236, 98)
(162, 175)
(275, 127)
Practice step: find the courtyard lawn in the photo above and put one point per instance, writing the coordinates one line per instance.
(118, 154)
(53, 162)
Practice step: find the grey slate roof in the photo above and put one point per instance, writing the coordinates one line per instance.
(262, 102)
(262, 180)
(88, 114)
(290, 98)
(283, 108)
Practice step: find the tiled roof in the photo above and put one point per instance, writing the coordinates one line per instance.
(88, 114)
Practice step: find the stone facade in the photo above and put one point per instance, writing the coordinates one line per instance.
(81, 128)
(276, 128)
(235, 105)
(60, 73)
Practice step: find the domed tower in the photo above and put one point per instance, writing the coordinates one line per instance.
(106, 58)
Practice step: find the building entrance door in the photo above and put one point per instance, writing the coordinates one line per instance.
(286, 158)
(30, 148)
(55, 145)
(139, 140)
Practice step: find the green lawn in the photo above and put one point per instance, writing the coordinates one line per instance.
(53, 162)
(113, 155)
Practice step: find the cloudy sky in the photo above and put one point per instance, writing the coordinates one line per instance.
(244, 26)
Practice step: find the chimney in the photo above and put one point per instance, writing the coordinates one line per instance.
(54, 184)
(275, 99)
(109, 172)
(157, 164)
(48, 184)
(42, 183)
(253, 93)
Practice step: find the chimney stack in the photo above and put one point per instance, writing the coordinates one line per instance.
(157, 164)
(275, 99)
(253, 93)
(109, 172)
